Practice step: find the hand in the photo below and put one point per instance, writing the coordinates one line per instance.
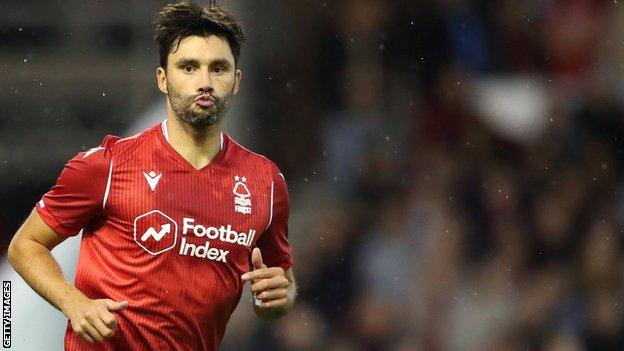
(269, 285)
(92, 319)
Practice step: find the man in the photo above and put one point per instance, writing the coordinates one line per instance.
(176, 219)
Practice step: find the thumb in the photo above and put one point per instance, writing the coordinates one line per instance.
(114, 305)
(256, 258)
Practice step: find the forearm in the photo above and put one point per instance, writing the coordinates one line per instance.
(36, 265)
(275, 313)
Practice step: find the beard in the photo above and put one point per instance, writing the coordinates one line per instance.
(194, 115)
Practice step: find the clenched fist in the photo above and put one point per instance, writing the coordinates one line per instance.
(269, 285)
(93, 320)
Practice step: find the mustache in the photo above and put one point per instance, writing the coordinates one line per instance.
(214, 98)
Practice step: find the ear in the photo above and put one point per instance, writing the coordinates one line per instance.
(161, 78)
(237, 79)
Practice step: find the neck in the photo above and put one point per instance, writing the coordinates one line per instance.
(197, 145)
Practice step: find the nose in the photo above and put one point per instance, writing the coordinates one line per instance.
(206, 85)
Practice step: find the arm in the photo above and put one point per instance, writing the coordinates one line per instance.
(29, 254)
(274, 289)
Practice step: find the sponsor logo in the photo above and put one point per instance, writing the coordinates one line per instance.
(152, 179)
(151, 232)
(156, 233)
(242, 195)
(222, 233)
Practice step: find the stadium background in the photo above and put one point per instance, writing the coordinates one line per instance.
(455, 166)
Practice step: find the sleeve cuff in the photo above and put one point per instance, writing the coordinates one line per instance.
(51, 221)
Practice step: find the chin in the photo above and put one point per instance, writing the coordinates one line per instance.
(204, 121)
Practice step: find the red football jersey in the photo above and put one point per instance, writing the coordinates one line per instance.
(170, 239)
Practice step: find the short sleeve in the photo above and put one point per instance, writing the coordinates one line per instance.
(79, 192)
(276, 251)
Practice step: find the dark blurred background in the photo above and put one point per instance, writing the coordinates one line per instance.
(454, 166)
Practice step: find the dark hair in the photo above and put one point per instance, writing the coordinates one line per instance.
(182, 19)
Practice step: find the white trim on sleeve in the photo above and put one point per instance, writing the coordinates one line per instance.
(108, 184)
(270, 207)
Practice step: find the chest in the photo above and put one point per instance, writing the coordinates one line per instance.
(216, 214)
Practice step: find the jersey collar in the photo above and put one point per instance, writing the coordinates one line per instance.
(166, 134)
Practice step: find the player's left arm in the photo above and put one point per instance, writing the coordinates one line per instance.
(272, 279)
(274, 289)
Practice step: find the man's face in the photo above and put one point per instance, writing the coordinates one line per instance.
(200, 80)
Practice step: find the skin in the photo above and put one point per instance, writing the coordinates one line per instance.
(206, 66)
(273, 288)
(199, 66)
(29, 254)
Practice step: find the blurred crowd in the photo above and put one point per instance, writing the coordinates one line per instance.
(417, 223)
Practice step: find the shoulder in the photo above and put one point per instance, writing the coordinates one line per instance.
(121, 146)
(241, 154)
(94, 160)
(99, 159)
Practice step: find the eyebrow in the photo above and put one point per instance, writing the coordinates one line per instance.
(221, 61)
(194, 62)
(187, 61)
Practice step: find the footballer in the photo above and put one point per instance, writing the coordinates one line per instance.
(175, 219)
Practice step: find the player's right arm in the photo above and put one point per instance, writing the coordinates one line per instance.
(29, 254)
(78, 196)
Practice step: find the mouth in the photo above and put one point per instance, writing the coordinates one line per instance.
(204, 100)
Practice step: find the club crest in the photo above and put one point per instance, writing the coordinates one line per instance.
(242, 195)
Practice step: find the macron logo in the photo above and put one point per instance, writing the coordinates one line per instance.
(151, 232)
(152, 179)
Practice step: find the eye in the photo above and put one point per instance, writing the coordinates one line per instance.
(218, 69)
(188, 69)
